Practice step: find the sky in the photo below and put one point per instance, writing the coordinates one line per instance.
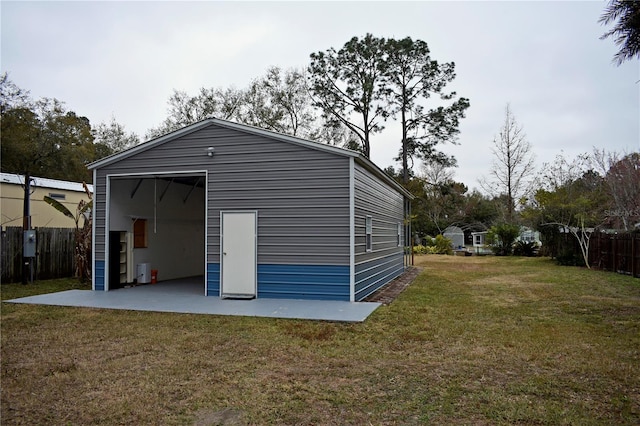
(124, 59)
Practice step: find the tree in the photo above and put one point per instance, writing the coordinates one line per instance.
(19, 133)
(185, 110)
(625, 16)
(41, 138)
(47, 142)
(570, 201)
(435, 172)
(622, 182)
(112, 137)
(334, 133)
(11, 96)
(69, 138)
(347, 86)
(513, 164)
(443, 198)
(501, 238)
(479, 212)
(279, 101)
(411, 76)
(22, 147)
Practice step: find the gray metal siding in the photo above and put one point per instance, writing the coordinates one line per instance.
(99, 215)
(385, 205)
(301, 194)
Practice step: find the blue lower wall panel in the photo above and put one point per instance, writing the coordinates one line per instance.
(373, 275)
(99, 275)
(319, 282)
(213, 279)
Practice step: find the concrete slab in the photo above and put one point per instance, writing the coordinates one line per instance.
(182, 297)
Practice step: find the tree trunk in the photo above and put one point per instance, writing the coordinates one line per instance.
(405, 162)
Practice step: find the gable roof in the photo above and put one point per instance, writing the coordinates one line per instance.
(362, 160)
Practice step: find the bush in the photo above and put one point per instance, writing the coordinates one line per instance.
(501, 238)
(443, 245)
(420, 249)
(525, 248)
(437, 245)
(568, 257)
(429, 241)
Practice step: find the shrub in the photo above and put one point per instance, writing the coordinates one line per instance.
(437, 245)
(501, 238)
(443, 245)
(429, 241)
(568, 257)
(420, 249)
(525, 248)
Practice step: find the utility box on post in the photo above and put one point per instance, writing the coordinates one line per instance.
(29, 248)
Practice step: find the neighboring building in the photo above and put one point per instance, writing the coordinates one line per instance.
(528, 235)
(480, 239)
(455, 235)
(42, 214)
(255, 213)
(480, 242)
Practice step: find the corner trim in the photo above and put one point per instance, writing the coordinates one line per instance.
(352, 235)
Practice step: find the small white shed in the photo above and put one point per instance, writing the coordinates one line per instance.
(456, 235)
(479, 242)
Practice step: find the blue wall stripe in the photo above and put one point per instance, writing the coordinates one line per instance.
(375, 274)
(312, 282)
(373, 268)
(326, 282)
(375, 282)
(213, 279)
(99, 278)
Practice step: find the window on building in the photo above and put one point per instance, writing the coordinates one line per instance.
(369, 233)
(140, 233)
(478, 239)
(57, 196)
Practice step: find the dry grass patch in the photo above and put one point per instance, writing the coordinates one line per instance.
(474, 340)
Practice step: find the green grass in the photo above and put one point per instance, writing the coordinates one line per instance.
(16, 290)
(474, 340)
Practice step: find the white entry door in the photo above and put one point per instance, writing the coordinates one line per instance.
(238, 256)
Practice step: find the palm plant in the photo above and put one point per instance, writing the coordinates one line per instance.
(82, 250)
(625, 17)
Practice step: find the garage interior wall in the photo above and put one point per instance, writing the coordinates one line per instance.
(175, 226)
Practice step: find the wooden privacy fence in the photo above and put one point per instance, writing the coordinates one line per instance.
(54, 253)
(616, 252)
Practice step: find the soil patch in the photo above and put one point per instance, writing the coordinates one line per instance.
(388, 293)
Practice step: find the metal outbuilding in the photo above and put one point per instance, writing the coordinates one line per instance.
(456, 235)
(255, 214)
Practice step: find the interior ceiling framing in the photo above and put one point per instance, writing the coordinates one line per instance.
(193, 182)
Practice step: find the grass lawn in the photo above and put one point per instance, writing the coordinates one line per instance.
(474, 340)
